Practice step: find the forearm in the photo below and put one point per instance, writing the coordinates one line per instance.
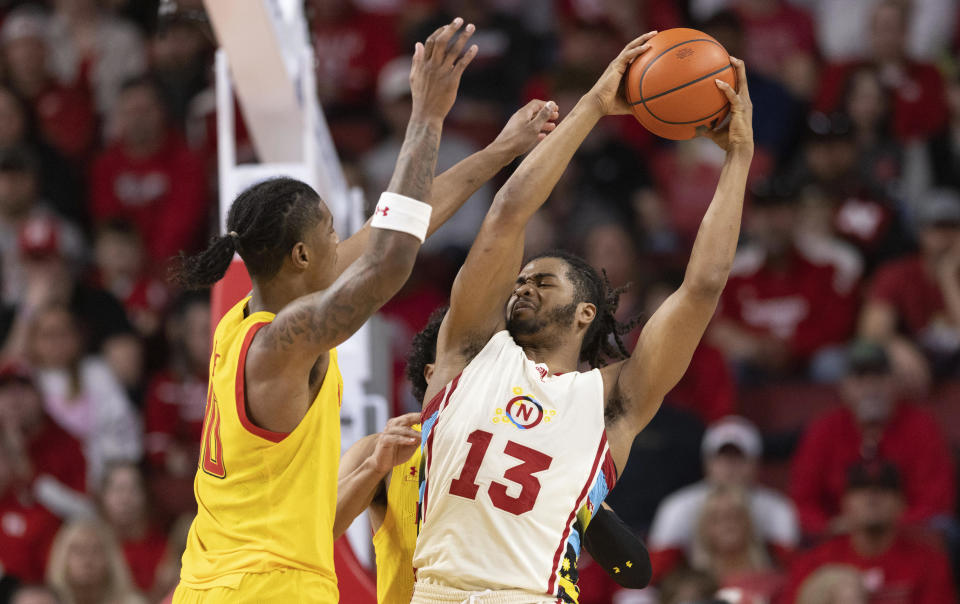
(355, 491)
(413, 175)
(716, 242)
(452, 188)
(531, 183)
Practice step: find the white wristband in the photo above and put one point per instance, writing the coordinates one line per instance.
(399, 213)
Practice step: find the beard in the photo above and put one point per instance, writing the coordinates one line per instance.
(561, 316)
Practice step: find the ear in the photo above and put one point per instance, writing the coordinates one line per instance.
(300, 255)
(586, 313)
(428, 372)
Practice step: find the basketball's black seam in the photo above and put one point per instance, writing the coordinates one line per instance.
(660, 94)
(657, 58)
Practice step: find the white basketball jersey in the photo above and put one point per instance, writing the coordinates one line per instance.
(514, 462)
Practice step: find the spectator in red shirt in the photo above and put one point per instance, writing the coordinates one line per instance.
(351, 47)
(872, 424)
(48, 462)
(833, 584)
(176, 399)
(916, 89)
(121, 269)
(913, 306)
(780, 43)
(26, 528)
(895, 569)
(123, 502)
(65, 114)
(149, 176)
(783, 304)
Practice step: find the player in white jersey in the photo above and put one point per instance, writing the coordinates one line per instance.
(519, 446)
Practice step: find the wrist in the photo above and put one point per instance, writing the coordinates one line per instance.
(422, 116)
(500, 153)
(741, 152)
(591, 104)
(371, 466)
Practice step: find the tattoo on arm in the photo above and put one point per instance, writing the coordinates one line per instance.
(413, 175)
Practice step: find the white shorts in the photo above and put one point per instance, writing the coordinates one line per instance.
(431, 593)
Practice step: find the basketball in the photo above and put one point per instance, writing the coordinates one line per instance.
(671, 87)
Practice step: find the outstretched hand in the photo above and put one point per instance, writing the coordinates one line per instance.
(608, 91)
(437, 67)
(528, 126)
(736, 131)
(396, 443)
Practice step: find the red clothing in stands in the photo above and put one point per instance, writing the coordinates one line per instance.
(351, 51)
(909, 572)
(707, 389)
(174, 414)
(143, 557)
(26, 532)
(908, 287)
(912, 441)
(163, 195)
(52, 451)
(919, 103)
(773, 38)
(67, 120)
(798, 304)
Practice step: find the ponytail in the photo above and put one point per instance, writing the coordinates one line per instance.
(206, 268)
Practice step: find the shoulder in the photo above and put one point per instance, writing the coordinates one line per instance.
(839, 256)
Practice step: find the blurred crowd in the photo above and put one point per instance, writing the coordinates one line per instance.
(808, 455)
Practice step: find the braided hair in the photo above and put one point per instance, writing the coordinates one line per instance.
(423, 351)
(603, 341)
(263, 225)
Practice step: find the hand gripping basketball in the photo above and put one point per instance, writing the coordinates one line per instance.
(736, 132)
(608, 91)
(437, 67)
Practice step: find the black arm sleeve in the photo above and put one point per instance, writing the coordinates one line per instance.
(617, 550)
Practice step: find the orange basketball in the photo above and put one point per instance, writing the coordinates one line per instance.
(671, 86)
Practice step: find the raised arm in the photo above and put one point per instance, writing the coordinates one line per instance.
(452, 188)
(670, 337)
(487, 277)
(313, 324)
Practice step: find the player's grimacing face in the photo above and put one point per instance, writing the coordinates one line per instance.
(543, 295)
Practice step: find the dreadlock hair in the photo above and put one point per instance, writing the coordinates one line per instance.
(263, 225)
(423, 351)
(590, 286)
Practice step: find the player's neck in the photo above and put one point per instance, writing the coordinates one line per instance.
(558, 358)
(872, 543)
(273, 295)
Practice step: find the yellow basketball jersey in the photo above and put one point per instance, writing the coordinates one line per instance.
(396, 538)
(266, 500)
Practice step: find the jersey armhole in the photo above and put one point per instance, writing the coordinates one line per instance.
(245, 421)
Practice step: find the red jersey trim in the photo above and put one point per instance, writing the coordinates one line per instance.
(250, 427)
(439, 403)
(583, 493)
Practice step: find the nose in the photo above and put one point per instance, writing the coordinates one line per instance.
(525, 290)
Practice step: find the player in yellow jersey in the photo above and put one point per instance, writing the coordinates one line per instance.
(391, 500)
(266, 483)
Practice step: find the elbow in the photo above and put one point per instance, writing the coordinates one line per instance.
(708, 284)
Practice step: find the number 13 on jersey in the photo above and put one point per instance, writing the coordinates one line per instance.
(533, 461)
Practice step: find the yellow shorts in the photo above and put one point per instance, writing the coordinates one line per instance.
(286, 585)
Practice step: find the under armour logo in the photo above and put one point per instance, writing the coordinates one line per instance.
(382, 211)
(413, 470)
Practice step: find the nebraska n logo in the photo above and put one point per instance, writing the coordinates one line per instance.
(523, 411)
